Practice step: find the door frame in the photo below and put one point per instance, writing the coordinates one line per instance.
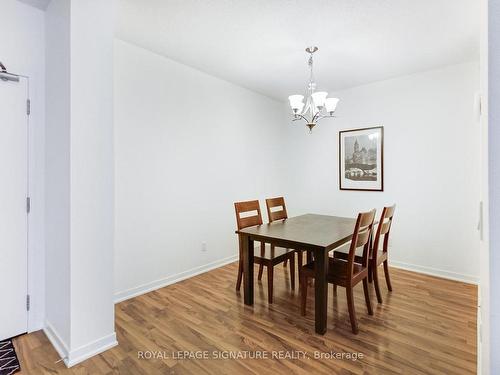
(483, 310)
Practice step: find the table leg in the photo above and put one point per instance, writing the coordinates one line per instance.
(248, 252)
(321, 290)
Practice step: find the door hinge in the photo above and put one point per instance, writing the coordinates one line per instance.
(28, 204)
(28, 107)
(27, 302)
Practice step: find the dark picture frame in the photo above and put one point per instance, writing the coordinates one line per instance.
(361, 159)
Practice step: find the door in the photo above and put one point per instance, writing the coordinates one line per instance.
(13, 207)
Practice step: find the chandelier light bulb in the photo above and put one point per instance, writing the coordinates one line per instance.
(296, 102)
(331, 104)
(299, 108)
(319, 98)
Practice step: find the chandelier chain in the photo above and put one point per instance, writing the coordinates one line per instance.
(311, 73)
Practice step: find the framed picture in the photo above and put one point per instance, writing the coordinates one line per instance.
(361, 159)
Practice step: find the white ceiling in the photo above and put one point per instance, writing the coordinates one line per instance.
(259, 44)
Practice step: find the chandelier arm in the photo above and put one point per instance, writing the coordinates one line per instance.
(299, 117)
(304, 118)
(324, 116)
(317, 116)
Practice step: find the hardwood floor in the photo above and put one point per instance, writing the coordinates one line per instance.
(426, 325)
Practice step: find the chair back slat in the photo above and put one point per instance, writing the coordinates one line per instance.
(279, 214)
(389, 211)
(383, 229)
(361, 238)
(251, 214)
(366, 219)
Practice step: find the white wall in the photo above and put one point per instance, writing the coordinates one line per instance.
(79, 189)
(431, 168)
(494, 182)
(187, 145)
(57, 187)
(22, 50)
(91, 177)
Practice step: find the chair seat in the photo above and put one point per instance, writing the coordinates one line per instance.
(359, 259)
(279, 252)
(337, 271)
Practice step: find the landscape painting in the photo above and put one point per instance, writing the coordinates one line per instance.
(361, 159)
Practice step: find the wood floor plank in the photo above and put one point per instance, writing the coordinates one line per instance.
(427, 325)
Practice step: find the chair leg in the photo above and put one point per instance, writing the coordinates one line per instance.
(292, 270)
(262, 253)
(299, 264)
(261, 269)
(387, 278)
(309, 259)
(240, 275)
(303, 294)
(352, 311)
(375, 282)
(367, 296)
(335, 301)
(370, 272)
(285, 262)
(270, 277)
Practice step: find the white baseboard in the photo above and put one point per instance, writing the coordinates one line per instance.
(435, 272)
(56, 340)
(73, 357)
(157, 284)
(91, 349)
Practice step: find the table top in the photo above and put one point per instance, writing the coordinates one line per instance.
(305, 231)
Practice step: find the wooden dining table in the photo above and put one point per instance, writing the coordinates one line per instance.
(316, 233)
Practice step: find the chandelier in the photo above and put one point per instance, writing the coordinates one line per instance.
(317, 105)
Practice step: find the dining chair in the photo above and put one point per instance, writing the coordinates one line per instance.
(276, 210)
(377, 256)
(248, 214)
(347, 273)
(276, 215)
(383, 229)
